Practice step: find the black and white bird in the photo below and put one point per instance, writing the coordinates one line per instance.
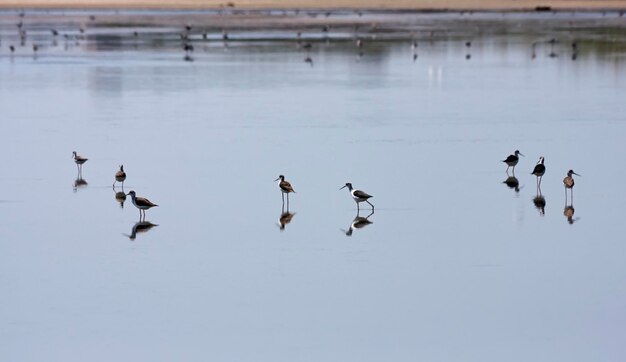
(539, 170)
(142, 204)
(358, 195)
(512, 160)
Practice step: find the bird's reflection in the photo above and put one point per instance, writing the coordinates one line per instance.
(568, 212)
(120, 197)
(79, 183)
(285, 218)
(140, 227)
(540, 202)
(512, 182)
(359, 222)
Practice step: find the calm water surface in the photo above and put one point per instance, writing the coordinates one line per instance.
(455, 266)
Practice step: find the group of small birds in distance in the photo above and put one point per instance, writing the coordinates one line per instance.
(539, 170)
(360, 34)
(140, 203)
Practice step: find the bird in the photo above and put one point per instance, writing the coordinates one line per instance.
(512, 160)
(120, 176)
(539, 170)
(12, 48)
(568, 181)
(359, 43)
(285, 188)
(358, 195)
(79, 161)
(141, 203)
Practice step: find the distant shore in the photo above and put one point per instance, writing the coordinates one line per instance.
(434, 5)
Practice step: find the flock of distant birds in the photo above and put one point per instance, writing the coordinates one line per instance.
(188, 46)
(539, 170)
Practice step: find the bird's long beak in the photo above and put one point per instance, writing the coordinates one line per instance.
(343, 187)
(277, 179)
(522, 154)
(576, 174)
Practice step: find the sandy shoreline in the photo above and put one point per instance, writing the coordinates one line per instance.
(503, 5)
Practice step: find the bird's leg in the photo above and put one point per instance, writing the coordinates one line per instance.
(370, 204)
(357, 207)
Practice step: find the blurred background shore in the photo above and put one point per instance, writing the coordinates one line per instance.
(508, 5)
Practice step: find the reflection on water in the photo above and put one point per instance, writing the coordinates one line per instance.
(512, 182)
(540, 202)
(202, 135)
(79, 183)
(359, 222)
(120, 197)
(285, 218)
(140, 227)
(568, 212)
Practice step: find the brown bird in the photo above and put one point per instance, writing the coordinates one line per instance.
(120, 176)
(285, 188)
(141, 203)
(568, 181)
(79, 161)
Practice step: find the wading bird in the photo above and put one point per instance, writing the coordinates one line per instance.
(539, 170)
(358, 195)
(512, 160)
(285, 188)
(141, 203)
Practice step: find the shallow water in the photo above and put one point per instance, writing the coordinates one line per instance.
(455, 265)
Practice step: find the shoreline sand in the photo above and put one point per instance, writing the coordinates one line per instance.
(417, 5)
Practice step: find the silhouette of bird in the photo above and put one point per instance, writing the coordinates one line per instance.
(512, 160)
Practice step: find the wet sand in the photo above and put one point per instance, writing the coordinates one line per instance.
(320, 4)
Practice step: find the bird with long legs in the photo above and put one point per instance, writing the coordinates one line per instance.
(80, 160)
(120, 176)
(358, 195)
(539, 171)
(568, 182)
(142, 204)
(512, 161)
(285, 188)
